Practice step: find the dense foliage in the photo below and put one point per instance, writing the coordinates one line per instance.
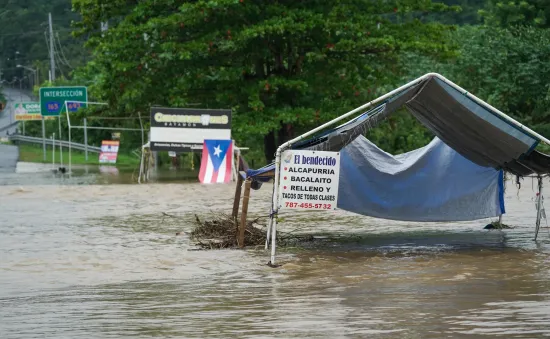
(282, 67)
(287, 66)
(510, 68)
(509, 13)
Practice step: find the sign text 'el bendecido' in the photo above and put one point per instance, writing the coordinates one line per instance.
(309, 180)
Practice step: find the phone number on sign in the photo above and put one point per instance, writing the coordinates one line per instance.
(308, 205)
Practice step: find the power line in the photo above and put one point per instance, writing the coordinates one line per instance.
(48, 41)
(113, 118)
(35, 32)
(62, 53)
(57, 58)
(57, 63)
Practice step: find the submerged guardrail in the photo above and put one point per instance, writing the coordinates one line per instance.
(13, 124)
(49, 142)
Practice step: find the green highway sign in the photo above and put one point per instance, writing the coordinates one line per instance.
(52, 99)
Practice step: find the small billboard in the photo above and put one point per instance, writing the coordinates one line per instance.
(185, 129)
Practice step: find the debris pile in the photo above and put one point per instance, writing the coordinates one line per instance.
(222, 232)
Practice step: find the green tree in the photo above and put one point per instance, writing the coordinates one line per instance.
(465, 12)
(510, 69)
(282, 66)
(517, 12)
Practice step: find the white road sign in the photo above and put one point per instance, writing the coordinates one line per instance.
(309, 180)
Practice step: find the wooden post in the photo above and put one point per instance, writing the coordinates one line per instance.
(242, 225)
(237, 199)
(539, 206)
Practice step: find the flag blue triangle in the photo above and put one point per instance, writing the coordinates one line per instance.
(217, 150)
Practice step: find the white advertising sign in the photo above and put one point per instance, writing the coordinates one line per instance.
(309, 180)
(185, 129)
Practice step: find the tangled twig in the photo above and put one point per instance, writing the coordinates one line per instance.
(222, 232)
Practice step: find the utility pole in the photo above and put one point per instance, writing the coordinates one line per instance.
(52, 60)
(52, 78)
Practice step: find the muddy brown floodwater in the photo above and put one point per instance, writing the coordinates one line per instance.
(80, 259)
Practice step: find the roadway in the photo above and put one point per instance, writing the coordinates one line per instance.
(7, 115)
(8, 158)
(9, 154)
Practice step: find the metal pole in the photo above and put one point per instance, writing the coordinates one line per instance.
(142, 134)
(60, 146)
(85, 141)
(539, 209)
(70, 151)
(53, 150)
(140, 167)
(491, 108)
(275, 207)
(23, 122)
(44, 138)
(269, 231)
(52, 60)
(412, 83)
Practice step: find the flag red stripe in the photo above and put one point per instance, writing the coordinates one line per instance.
(204, 162)
(228, 163)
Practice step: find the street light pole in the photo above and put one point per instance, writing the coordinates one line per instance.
(35, 71)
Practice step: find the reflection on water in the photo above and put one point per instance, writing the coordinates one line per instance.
(48, 174)
(103, 261)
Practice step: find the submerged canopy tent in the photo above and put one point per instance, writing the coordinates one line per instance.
(458, 176)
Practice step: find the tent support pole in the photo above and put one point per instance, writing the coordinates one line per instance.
(269, 230)
(539, 206)
(275, 206)
(406, 86)
(491, 108)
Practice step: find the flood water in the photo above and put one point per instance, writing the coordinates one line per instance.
(93, 256)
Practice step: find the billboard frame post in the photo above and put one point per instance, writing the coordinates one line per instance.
(44, 138)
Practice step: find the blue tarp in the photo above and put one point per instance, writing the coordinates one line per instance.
(257, 174)
(433, 183)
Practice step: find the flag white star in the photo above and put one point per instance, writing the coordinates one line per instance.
(217, 151)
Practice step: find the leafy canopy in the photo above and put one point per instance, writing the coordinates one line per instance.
(517, 12)
(282, 66)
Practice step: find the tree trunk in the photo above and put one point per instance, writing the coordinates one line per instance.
(284, 134)
(270, 147)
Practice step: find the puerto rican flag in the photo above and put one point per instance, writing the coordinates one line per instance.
(217, 161)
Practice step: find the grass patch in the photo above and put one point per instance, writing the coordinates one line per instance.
(33, 153)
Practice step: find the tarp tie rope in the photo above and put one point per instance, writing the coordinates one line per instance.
(273, 214)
